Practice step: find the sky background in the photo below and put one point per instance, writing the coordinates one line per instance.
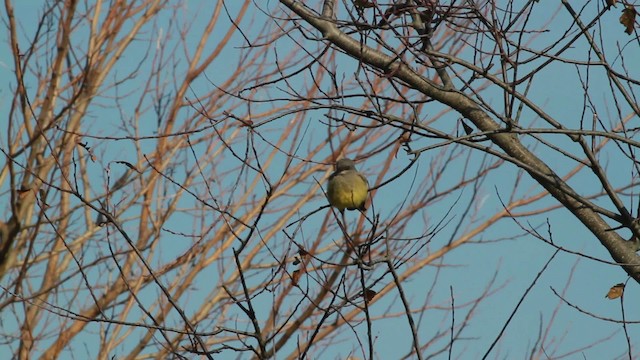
(511, 264)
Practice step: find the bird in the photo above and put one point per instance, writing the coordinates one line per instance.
(347, 188)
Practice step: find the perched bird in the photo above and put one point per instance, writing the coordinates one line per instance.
(347, 188)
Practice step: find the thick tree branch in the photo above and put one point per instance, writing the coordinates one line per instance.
(622, 251)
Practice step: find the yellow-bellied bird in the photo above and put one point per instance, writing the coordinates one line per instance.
(347, 188)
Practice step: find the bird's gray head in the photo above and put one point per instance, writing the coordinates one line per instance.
(345, 164)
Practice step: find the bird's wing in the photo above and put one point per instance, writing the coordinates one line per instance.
(363, 178)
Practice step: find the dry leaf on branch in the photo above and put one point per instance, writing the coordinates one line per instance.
(363, 4)
(628, 18)
(615, 291)
(369, 295)
(295, 277)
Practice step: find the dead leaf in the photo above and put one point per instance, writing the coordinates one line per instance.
(467, 129)
(295, 277)
(101, 220)
(628, 18)
(611, 3)
(369, 295)
(304, 255)
(615, 291)
(363, 4)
